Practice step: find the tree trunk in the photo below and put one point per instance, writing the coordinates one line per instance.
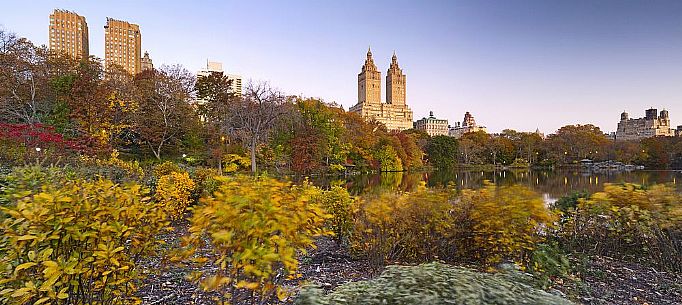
(253, 156)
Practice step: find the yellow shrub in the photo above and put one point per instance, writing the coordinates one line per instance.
(205, 181)
(628, 221)
(405, 227)
(74, 242)
(166, 168)
(256, 227)
(173, 193)
(233, 163)
(485, 225)
(501, 222)
(130, 168)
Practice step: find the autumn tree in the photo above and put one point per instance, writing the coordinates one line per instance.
(165, 112)
(25, 95)
(251, 118)
(574, 142)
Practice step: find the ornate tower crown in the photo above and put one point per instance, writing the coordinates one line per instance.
(395, 83)
(369, 62)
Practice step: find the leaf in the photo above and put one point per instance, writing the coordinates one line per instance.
(24, 266)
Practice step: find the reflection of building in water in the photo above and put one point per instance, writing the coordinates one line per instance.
(651, 125)
(432, 125)
(467, 125)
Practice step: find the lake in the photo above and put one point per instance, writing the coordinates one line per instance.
(551, 184)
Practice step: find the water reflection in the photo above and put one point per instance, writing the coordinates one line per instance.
(552, 184)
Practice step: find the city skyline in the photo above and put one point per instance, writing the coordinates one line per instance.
(519, 65)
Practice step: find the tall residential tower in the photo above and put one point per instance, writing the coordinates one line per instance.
(394, 113)
(123, 45)
(69, 34)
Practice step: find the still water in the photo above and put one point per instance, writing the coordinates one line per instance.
(551, 184)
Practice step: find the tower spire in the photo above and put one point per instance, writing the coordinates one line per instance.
(369, 51)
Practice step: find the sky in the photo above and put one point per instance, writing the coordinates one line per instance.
(513, 64)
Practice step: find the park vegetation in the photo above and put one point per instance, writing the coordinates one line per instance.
(100, 163)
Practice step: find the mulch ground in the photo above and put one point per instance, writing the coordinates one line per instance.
(603, 281)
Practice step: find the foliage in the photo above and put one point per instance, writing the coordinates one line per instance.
(442, 151)
(75, 242)
(205, 179)
(432, 283)
(388, 159)
(166, 168)
(173, 193)
(405, 227)
(488, 225)
(233, 163)
(570, 202)
(24, 143)
(339, 204)
(504, 222)
(113, 168)
(256, 227)
(629, 222)
(548, 262)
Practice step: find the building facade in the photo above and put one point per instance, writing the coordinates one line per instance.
(123, 45)
(69, 34)
(678, 132)
(394, 113)
(213, 67)
(432, 126)
(467, 125)
(146, 62)
(651, 125)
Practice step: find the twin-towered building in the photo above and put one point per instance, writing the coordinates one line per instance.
(68, 33)
(394, 113)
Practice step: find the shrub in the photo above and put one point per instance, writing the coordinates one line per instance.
(338, 202)
(406, 227)
(256, 227)
(234, 162)
(166, 168)
(548, 262)
(112, 168)
(488, 225)
(173, 193)
(501, 223)
(205, 181)
(75, 242)
(432, 283)
(628, 221)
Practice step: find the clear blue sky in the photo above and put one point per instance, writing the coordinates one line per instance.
(513, 64)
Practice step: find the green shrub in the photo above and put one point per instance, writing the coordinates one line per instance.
(548, 262)
(432, 283)
(74, 241)
(256, 228)
(339, 203)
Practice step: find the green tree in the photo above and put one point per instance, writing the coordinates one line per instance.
(442, 151)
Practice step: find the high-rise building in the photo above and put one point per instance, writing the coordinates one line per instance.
(432, 125)
(212, 66)
(123, 45)
(467, 125)
(395, 83)
(69, 34)
(146, 62)
(651, 125)
(394, 113)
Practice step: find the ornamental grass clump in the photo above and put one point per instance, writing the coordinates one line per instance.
(75, 241)
(256, 227)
